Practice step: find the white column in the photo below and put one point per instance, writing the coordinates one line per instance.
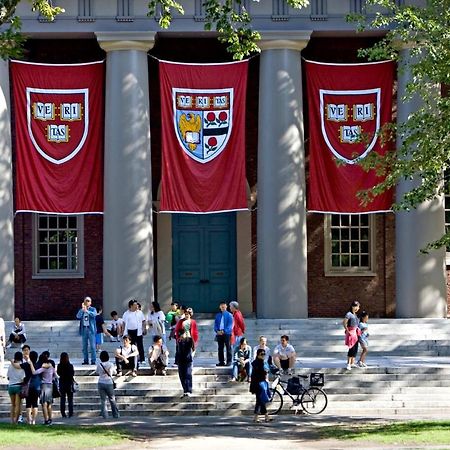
(420, 279)
(281, 221)
(128, 228)
(6, 200)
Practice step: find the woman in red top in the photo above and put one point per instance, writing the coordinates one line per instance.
(188, 324)
(238, 324)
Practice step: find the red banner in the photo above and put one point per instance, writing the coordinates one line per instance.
(203, 137)
(348, 106)
(59, 111)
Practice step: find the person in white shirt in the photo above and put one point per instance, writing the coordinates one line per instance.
(126, 358)
(18, 334)
(158, 357)
(106, 370)
(156, 320)
(15, 379)
(116, 327)
(263, 345)
(135, 327)
(284, 355)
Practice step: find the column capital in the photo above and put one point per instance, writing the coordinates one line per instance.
(112, 41)
(291, 40)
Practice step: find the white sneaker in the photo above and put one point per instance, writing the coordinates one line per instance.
(363, 365)
(289, 372)
(349, 367)
(8, 346)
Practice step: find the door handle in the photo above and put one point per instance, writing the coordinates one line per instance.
(204, 281)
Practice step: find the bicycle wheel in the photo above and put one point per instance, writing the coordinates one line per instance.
(314, 400)
(275, 405)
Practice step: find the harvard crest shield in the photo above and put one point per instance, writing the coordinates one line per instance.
(350, 122)
(203, 120)
(58, 122)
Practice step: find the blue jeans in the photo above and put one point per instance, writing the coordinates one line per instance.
(248, 369)
(185, 374)
(106, 391)
(88, 341)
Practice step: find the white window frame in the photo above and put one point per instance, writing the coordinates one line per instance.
(331, 271)
(58, 273)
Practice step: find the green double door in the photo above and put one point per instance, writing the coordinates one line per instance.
(204, 259)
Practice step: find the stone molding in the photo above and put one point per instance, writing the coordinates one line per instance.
(112, 41)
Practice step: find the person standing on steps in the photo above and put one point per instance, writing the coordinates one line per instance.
(352, 331)
(66, 375)
(238, 330)
(86, 315)
(363, 338)
(260, 374)
(135, 327)
(223, 327)
(106, 370)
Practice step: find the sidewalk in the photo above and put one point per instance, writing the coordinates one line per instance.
(287, 432)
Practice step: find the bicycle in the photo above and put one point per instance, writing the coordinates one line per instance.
(312, 399)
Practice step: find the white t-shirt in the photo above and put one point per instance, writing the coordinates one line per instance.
(15, 376)
(156, 322)
(266, 349)
(133, 321)
(283, 352)
(156, 351)
(103, 377)
(114, 324)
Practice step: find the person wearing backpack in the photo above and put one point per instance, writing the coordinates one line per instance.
(158, 357)
(126, 357)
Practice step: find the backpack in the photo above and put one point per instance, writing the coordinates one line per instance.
(294, 386)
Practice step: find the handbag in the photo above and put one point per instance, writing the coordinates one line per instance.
(55, 388)
(109, 375)
(75, 386)
(25, 388)
(264, 393)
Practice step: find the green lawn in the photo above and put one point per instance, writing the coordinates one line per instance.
(415, 432)
(60, 436)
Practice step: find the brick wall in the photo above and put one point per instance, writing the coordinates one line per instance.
(331, 296)
(56, 298)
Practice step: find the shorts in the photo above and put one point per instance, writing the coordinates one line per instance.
(46, 393)
(14, 389)
(284, 363)
(364, 342)
(99, 338)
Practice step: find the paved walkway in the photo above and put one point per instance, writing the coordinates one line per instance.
(237, 433)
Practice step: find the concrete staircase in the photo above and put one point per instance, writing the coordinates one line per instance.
(409, 370)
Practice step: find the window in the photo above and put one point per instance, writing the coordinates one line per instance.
(58, 244)
(349, 244)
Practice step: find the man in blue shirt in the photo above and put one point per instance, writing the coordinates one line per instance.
(86, 315)
(223, 326)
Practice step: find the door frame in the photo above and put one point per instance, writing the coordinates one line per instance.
(243, 260)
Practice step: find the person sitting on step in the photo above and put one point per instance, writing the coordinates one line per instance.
(18, 335)
(126, 358)
(242, 368)
(284, 355)
(158, 356)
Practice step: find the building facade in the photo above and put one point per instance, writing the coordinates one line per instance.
(277, 260)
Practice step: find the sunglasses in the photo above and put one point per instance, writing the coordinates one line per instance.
(262, 354)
